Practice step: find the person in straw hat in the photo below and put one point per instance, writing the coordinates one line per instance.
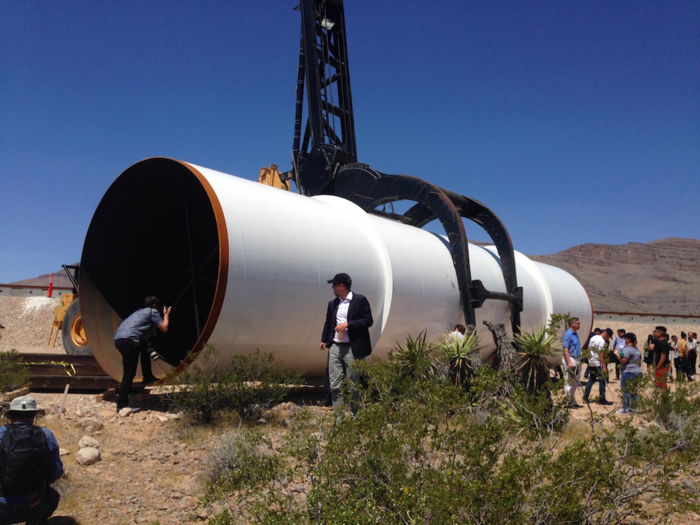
(29, 463)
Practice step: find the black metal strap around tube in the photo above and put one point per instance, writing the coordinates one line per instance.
(369, 188)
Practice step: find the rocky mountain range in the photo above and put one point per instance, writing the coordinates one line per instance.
(661, 277)
(60, 279)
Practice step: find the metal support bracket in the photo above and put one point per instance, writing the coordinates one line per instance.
(369, 188)
(478, 294)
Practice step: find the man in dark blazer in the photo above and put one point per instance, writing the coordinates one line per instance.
(345, 336)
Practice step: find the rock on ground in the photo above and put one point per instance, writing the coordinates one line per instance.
(88, 456)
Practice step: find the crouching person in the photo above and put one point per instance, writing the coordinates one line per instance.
(29, 463)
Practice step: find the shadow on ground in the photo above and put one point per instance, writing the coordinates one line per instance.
(63, 520)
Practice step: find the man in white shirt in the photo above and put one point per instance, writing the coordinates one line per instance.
(345, 336)
(692, 354)
(458, 333)
(597, 367)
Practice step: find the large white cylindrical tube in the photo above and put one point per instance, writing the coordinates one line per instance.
(247, 266)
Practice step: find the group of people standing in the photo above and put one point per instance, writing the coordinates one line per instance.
(602, 351)
(685, 356)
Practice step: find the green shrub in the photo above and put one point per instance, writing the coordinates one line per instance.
(254, 384)
(672, 410)
(533, 350)
(13, 373)
(462, 356)
(422, 450)
(240, 460)
(415, 357)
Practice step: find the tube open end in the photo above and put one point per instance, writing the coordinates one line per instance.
(158, 230)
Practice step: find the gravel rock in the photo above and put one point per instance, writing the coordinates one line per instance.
(689, 484)
(87, 441)
(125, 412)
(91, 424)
(88, 456)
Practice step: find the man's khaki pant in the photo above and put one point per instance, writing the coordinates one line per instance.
(341, 366)
(572, 377)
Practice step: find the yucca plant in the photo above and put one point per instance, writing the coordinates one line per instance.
(462, 355)
(532, 366)
(415, 357)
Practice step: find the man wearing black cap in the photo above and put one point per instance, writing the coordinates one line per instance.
(345, 335)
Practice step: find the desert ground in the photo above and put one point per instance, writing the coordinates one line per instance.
(151, 466)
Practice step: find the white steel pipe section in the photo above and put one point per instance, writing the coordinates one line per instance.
(251, 263)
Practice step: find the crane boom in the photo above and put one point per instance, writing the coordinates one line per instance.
(324, 81)
(325, 160)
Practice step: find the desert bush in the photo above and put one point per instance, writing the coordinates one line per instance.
(426, 451)
(240, 459)
(558, 324)
(253, 384)
(672, 410)
(415, 357)
(533, 350)
(462, 356)
(13, 373)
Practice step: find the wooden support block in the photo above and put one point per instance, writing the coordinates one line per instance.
(9, 396)
(107, 394)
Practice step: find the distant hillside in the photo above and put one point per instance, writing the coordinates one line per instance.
(657, 277)
(59, 279)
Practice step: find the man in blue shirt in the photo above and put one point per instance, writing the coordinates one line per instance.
(571, 360)
(131, 339)
(34, 501)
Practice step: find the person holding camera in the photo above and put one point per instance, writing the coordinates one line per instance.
(132, 338)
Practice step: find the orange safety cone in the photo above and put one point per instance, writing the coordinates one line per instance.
(51, 285)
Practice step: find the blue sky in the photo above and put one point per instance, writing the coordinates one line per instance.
(575, 122)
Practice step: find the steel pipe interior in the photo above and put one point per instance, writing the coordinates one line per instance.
(137, 245)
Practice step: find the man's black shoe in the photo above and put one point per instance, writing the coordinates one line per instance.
(575, 405)
(605, 402)
(150, 380)
(585, 400)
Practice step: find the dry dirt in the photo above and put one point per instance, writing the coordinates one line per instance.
(151, 465)
(27, 322)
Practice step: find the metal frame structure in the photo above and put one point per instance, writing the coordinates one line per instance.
(329, 134)
(74, 277)
(325, 161)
